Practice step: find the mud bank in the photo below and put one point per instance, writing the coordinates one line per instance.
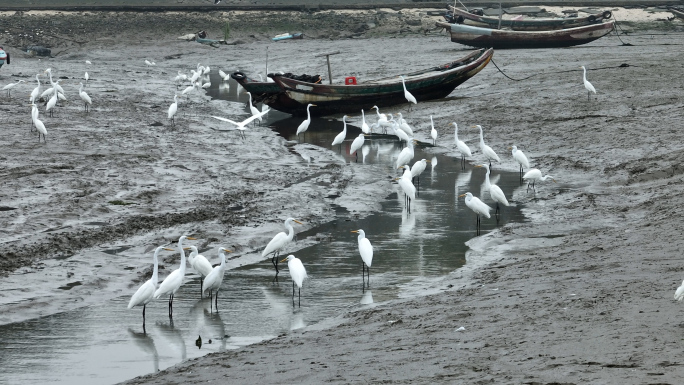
(580, 294)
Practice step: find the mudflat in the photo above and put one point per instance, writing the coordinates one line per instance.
(580, 293)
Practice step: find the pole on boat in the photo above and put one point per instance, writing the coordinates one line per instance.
(327, 56)
(500, 15)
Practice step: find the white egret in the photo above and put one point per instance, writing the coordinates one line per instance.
(252, 109)
(461, 146)
(278, 242)
(588, 86)
(200, 263)
(409, 96)
(150, 63)
(55, 85)
(88, 62)
(418, 169)
(433, 132)
(404, 125)
(297, 273)
(342, 135)
(34, 114)
(356, 145)
(180, 77)
(405, 155)
(86, 77)
(305, 124)
(486, 150)
(50, 106)
(364, 126)
(520, 157)
(533, 176)
(206, 85)
(188, 89)
(224, 76)
(495, 191)
(173, 108)
(407, 186)
(41, 128)
(145, 292)
(401, 134)
(366, 251)
(85, 98)
(679, 294)
(9, 87)
(382, 118)
(242, 125)
(173, 281)
(214, 279)
(206, 71)
(36, 91)
(479, 207)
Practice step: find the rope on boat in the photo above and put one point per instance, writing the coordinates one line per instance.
(617, 25)
(623, 65)
(502, 73)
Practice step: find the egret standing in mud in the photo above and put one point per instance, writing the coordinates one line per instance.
(409, 96)
(145, 293)
(520, 157)
(305, 124)
(252, 109)
(418, 169)
(215, 277)
(85, 98)
(36, 91)
(173, 282)
(9, 87)
(461, 146)
(297, 273)
(364, 126)
(534, 176)
(173, 108)
(679, 294)
(486, 150)
(279, 241)
(495, 191)
(407, 186)
(479, 207)
(588, 86)
(366, 251)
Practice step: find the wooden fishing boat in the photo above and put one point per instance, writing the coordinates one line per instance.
(501, 38)
(677, 12)
(459, 16)
(269, 93)
(431, 83)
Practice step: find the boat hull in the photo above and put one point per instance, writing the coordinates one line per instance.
(532, 24)
(433, 83)
(505, 39)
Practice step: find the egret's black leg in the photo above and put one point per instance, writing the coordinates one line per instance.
(299, 293)
(216, 300)
(293, 293)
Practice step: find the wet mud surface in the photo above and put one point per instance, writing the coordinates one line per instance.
(579, 293)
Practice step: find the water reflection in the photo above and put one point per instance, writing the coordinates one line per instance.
(145, 343)
(173, 338)
(366, 298)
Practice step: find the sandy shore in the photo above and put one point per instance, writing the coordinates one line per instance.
(581, 293)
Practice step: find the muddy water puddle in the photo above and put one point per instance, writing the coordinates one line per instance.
(105, 343)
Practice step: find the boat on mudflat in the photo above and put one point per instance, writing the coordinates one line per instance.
(459, 16)
(504, 38)
(678, 12)
(427, 84)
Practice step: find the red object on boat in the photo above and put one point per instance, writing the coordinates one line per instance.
(350, 80)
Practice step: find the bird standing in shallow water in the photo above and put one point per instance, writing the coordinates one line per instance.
(588, 86)
(305, 124)
(520, 157)
(297, 273)
(495, 192)
(278, 242)
(486, 150)
(145, 293)
(173, 281)
(461, 146)
(366, 251)
(480, 208)
(215, 277)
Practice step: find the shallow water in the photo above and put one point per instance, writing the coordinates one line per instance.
(106, 344)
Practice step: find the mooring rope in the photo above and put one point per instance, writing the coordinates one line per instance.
(615, 28)
(623, 65)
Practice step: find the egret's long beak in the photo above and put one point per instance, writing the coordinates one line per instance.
(167, 249)
(462, 195)
(427, 161)
(284, 260)
(554, 181)
(313, 105)
(355, 231)
(396, 178)
(510, 148)
(478, 165)
(226, 250)
(191, 238)
(187, 248)
(298, 222)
